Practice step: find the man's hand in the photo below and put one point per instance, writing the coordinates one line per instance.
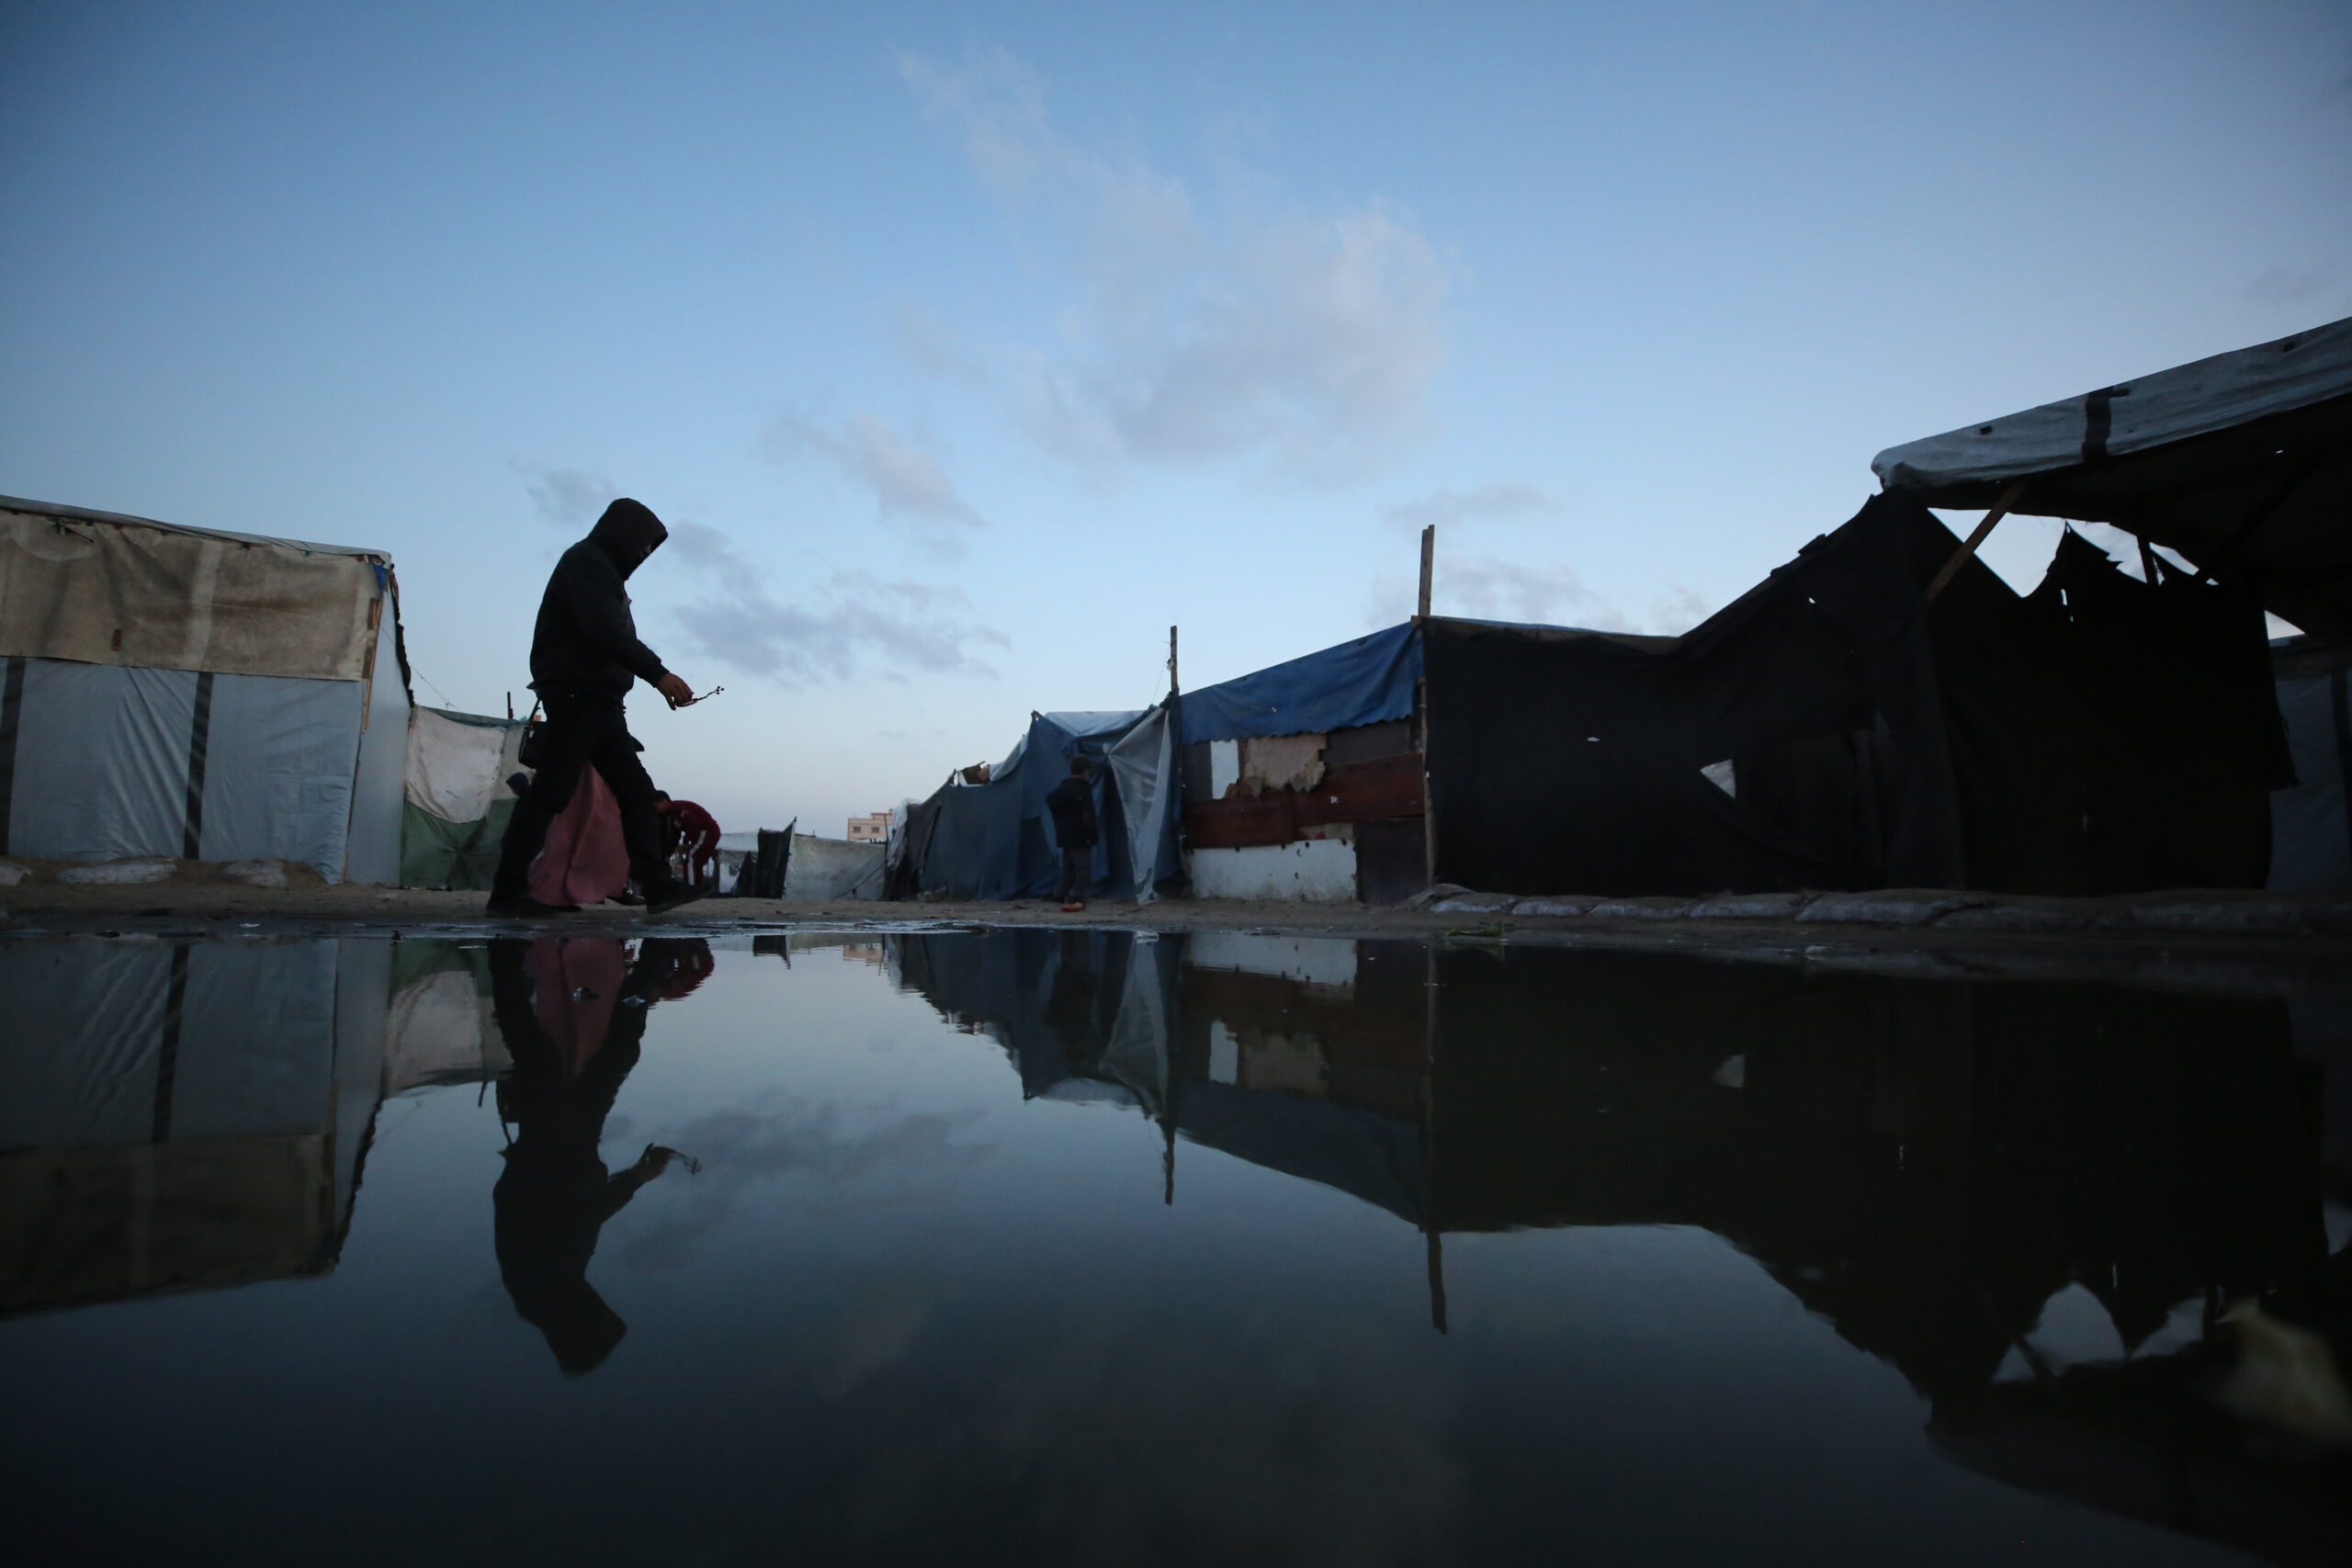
(674, 689)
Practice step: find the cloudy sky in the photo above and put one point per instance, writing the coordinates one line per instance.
(966, 348)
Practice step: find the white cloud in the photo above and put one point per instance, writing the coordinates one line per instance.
(2288, 285)
(852, 622)
(1302, 341)
(1486, 587)
(907, 483)
(570, 498)
(1477, 504)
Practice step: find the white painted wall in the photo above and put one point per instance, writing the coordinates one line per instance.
(1314, 870)
(1310, 959)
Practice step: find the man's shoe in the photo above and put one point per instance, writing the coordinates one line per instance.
(524, 908)
(676, 896)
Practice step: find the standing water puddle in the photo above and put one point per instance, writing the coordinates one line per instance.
(1048, 1247)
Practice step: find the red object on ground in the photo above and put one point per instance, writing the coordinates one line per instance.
(586, 859)
(687, 829)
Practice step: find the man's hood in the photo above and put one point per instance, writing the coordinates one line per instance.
(628, 533)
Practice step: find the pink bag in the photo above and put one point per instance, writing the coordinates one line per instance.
(586, 859)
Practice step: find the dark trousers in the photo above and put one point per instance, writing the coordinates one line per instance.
(1078, 871)
(583, 732)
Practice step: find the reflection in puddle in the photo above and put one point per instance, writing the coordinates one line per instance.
(1144, 1296)
(572, 1016)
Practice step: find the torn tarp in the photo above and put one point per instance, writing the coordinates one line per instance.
(1364, 682)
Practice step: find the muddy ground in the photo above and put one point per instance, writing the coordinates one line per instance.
(2277, 943)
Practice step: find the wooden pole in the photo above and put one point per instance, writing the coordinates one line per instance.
(1961, 555)
(1421, 695)
(1171, 661)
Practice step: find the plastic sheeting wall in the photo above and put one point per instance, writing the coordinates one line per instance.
(2311, 823)
(98, 762)
(832, 868)
(373, 853)
(454, 803)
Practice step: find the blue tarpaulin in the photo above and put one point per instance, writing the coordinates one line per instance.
(996, 839)
(1364, 682)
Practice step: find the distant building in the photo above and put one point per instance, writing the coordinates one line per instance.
(874, 829)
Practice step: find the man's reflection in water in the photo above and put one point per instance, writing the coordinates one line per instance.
(573, 1014)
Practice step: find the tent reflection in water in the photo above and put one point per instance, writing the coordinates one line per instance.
(1925, 1166)
(182, 1115)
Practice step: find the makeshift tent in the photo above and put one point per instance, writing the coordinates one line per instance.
(456, 798)
(2101, 735)
(1308, 780)
(996, 839)
(799, 865)
(181, 1115)
(182, 691)
(1084, 1016)
(2242, 462)
(1829, 729)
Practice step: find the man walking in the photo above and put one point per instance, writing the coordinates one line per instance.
(1072, 804)
(585, 657)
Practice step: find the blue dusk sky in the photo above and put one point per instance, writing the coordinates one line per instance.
(966, 348)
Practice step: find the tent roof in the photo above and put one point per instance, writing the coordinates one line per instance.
(1363, 681)
(122, 519)
(2242, 462)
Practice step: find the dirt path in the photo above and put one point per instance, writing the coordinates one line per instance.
(2202, 940)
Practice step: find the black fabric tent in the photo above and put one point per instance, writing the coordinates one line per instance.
(2101, 735)
(2242, 462)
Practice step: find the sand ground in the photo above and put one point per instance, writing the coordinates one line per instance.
(2274, 943)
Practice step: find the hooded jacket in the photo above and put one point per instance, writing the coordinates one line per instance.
(585, 643)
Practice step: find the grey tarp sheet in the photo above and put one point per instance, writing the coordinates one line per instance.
(101, 760)
(105, 588)
(2311, 831)
(832, 868)
(2192, 400)
(1143, 764)
(2241, 463)
(372, 852)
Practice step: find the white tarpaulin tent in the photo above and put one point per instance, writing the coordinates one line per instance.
(2241, 463)
(456, 799)
(205, 695)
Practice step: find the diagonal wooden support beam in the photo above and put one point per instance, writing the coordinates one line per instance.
(1962, 555)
